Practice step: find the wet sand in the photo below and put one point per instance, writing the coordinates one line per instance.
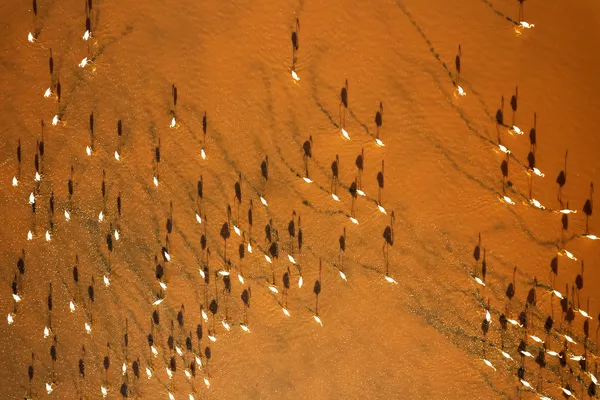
(418, 339)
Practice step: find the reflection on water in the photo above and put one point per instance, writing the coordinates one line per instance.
(397, 309)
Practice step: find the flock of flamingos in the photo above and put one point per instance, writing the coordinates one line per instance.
(553, 345)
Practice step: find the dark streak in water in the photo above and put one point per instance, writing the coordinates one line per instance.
(499, 13)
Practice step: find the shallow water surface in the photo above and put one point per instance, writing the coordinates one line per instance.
(421, 338)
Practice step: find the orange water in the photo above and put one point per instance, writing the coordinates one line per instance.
(418, 339)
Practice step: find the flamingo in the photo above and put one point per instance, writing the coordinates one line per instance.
(565, 225)
(510, 290)
(245, 296)
(342, 241)
(157, 159)
(380, 182)
(307, 147)
(264, 172)
(561, 179)
(477, 250)
(564, 300)
(378, 122)
(204, 125)
(30, 372)
(504, 169)
(292, 231)
(15, 181)
(106, 362)
(317, 291)
(242, 253)
(513, 104)
(579, 282)
(588, 207)
(500, 114)
(335, 165)
(360, 164)
(485, 324)
(284, 293)
(274, 252)
(295, 44)
(353, 189)
(250, 209)
(344, 103)
(533, 135)
(388, 236)
(225, 234)
(476, 256)
(238, 194)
